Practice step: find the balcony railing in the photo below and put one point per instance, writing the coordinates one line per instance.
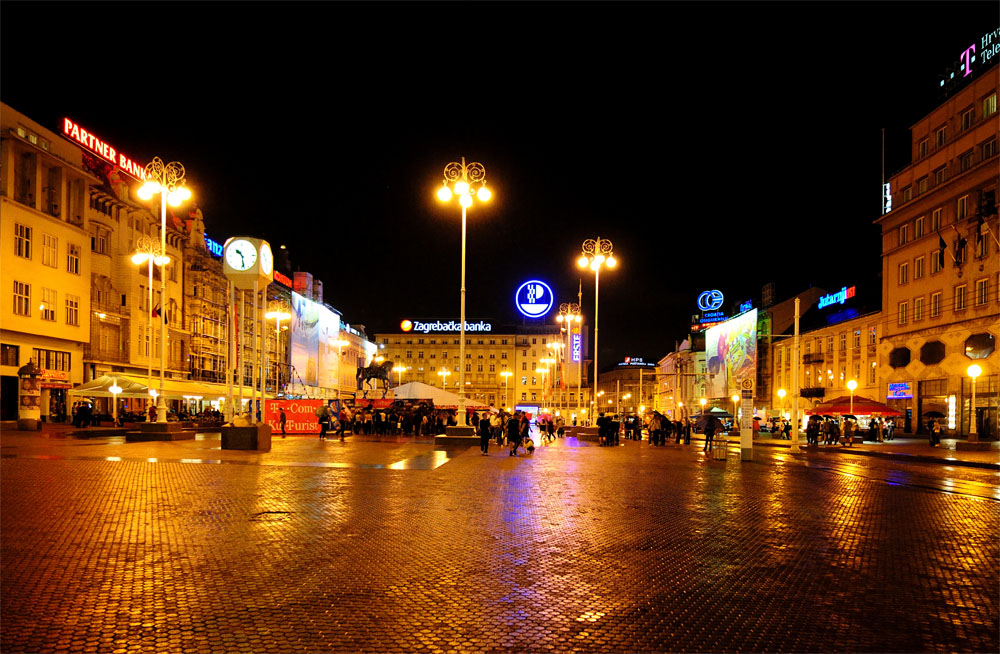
(813, 357)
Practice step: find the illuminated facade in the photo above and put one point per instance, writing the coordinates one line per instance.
(942, 309)
(487, 355)
(45, 263)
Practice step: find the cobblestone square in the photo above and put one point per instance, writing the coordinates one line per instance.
(369, 546)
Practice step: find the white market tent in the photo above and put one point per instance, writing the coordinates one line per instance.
(442, 399)
(136, 387)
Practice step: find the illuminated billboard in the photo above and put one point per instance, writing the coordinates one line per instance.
(305, 339)
(731, 355)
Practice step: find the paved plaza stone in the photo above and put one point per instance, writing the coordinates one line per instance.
(392, 546)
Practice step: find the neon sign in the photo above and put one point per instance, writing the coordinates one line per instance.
(533, 298)
(836, 298)
(576, 345)
(710, 300)
(900, 391)
(886, 199)
(450, 326)
(214, 247)
(103, 149)
(282, 279)
(987, 50)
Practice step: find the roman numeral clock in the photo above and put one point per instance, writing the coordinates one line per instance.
(248, 262)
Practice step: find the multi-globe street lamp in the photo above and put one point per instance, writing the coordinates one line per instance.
(168, 181)
(505, 374)
(277, 311)
(781, 396)
(463, 179)
(557, 348)
(595, 254)
(851, 385)
(148, 251)
(399, 370)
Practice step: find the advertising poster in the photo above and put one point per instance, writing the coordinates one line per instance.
(300, 415)
(731, 355)
(328, 333)
(305, 338)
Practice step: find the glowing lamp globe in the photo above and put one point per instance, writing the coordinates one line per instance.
(484, 194)
(465, 200)
(461, 188)
(852, 384)
(611, 262)
(444, 194)
(582, 262)
(974, 371)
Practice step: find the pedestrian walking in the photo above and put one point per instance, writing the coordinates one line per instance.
(484, 435)
(323, 418)
(282, 418)
(709, 432)
(935, 430)
(343, 417)
(890, 430)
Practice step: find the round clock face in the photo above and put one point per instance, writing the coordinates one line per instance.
(241, 254)
(266, 259)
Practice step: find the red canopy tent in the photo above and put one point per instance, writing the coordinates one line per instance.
(863, 406)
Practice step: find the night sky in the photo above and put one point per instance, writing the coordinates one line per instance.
(717, 145)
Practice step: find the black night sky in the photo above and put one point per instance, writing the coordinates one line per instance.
(717, 145)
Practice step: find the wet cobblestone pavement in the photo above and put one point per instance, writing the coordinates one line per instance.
(394, 547)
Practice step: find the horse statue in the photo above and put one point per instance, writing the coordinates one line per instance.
(375, 371)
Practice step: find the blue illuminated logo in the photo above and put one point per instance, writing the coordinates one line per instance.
(533, 299)
(710, 300)
(213, 247)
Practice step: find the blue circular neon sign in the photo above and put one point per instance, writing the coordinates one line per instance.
(533, 298)
(710, 300)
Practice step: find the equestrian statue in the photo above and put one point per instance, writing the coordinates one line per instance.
(375, 371)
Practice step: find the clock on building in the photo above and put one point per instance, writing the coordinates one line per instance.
(248, 262)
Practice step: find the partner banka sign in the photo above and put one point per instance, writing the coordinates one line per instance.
(450, 326)
(839, 297)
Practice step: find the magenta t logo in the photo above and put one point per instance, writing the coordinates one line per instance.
(966, 59)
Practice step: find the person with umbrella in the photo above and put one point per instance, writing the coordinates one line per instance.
(709, 425)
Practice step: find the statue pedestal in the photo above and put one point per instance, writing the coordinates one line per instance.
(159, 431)
(255, 437)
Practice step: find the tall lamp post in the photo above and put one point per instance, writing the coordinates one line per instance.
(736, 404)
(594, 255)
(168, 181)
(505, 374)
(851, 385)
(781, 397)
(277, 312)
(399, 370)
(973, 371)
(557, 350)
(463, 179)
(148, 251)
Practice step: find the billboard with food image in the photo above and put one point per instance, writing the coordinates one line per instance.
(731, 355)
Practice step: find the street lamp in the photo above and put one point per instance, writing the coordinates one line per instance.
(340, 343)
(736, 402)
(595, 254)
(168, 181)
(115, 390)
(973, 371)
(463, 178)
(568, 313)
(444, 374)
(545, 381)
(781, 396)
(505, 374)
(148, 251)
(399, 370)
(557, 349)
(851, 385)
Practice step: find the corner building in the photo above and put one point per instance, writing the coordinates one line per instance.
(518, 350)
(941, 304)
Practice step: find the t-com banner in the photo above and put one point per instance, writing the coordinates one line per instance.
(731, 355)
(300, 416)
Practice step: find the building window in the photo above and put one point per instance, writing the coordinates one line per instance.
(50, 249)
(935, 262)
(922, 185)
(936, 220)
(73, 310)
(919, 226)
(9, 355)
(904, 273)
(22, 240)
(918, 268)
(857, 338)
(829, 343)
(935, 304)
(918, 308)
(901, 314)
(989, 105)
(904, 234)
(907, 194)
(968, 117)
(966, 160)
(987, 149)
(52, 359)
(871, 374)
(960, 297)
(872, 335)
(940, 174)
(843, 342)
(524, 365)
(982, 291)
(922, 148)
(962, 208)
(48, 307)
(22, 299)
(524, 381)
(940, 136)
(73, 258)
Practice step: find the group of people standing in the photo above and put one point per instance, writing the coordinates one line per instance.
(661, 428)
(514, 430)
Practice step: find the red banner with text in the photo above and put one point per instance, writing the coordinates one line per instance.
(300, 416)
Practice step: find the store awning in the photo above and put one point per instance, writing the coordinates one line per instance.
(136, 387)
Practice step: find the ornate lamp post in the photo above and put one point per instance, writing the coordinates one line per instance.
(168, 181)
(277, 312)
(505, 374)
(781, 396)
(148, 251)
(399, 370)
(569, 312)
(595, 254)
(851, 385)
(463, 179)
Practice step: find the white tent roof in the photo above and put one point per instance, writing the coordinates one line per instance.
(442, 399)
(134, 386)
